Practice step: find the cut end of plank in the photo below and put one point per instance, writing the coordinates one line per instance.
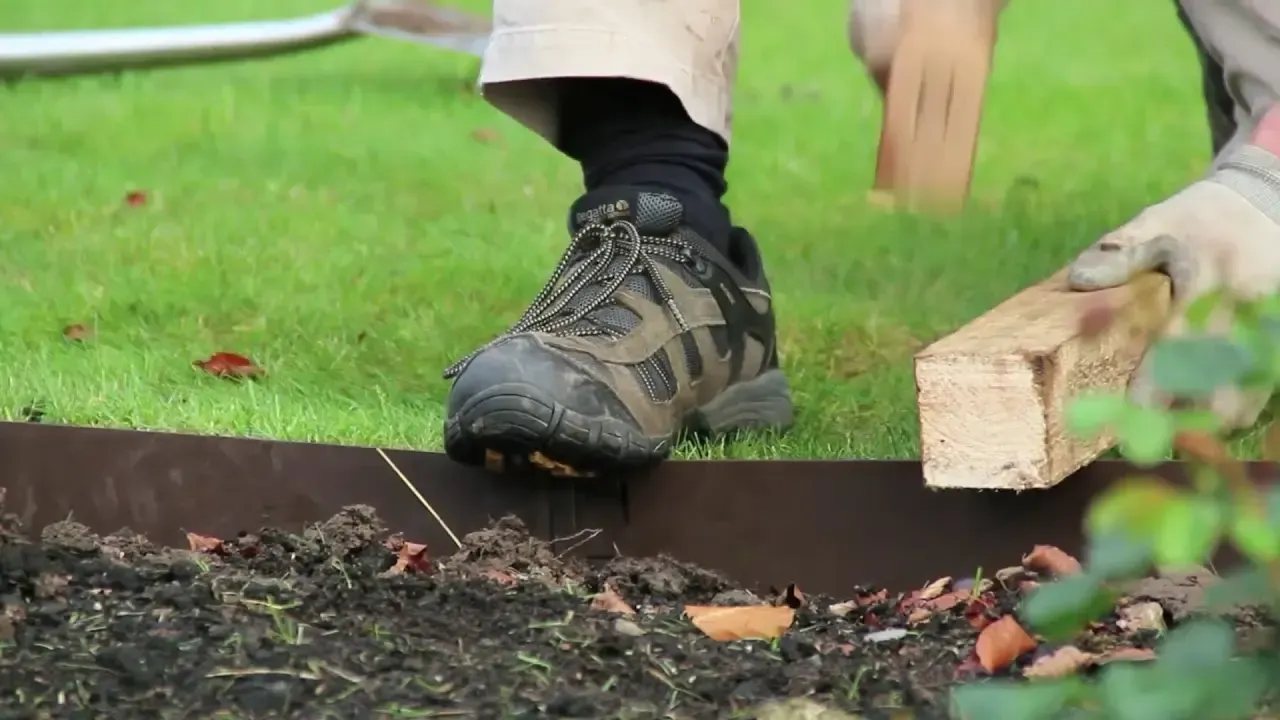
(992, 396)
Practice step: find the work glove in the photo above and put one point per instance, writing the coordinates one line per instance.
(875, 26)
(1222, 234)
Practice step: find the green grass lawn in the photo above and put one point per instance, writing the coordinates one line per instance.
(333, 216)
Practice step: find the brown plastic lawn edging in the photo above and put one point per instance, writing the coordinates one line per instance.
(828, 526)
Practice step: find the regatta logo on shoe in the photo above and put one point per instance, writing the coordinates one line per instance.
(644, 330)
(609, 212)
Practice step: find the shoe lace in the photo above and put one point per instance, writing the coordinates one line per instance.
(598, 255)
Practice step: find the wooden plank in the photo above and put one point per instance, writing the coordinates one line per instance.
(933, 103)
(991, 396)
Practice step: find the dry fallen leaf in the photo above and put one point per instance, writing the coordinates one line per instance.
(486, 135)
(945, 602)
(499, 577)
(1142, 616)
(1011, 575)
(411, 557)
(611, 601)
(909, 601)
(76, 332)
(935, 588)
(941, 603)
(1052, 560)
(978, 613)
(1127, 654)
(1002, 642)
(229, 365)
(824, 647)
(841, 609)
(1062, 662)
(554, 467)
(762, 622)
(871, 598)
(203, 543)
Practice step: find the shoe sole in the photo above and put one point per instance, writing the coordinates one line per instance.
(518, 422)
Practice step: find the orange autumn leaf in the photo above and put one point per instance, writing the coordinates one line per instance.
(229, 365)
(610, 601)
(412, 557)
(1052, 560)
(759, 622)
(1002, 642)
(203, 543)
(1064, 661)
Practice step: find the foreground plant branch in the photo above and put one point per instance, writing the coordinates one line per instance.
(1201, 671)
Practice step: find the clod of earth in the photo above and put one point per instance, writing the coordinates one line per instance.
(343, 619)
(229, 365)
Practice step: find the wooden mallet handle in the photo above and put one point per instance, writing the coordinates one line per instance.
(933, 102)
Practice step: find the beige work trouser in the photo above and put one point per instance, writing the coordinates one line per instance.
(691, 46)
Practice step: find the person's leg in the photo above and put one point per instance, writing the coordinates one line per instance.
(659, 318)
(1239, 46)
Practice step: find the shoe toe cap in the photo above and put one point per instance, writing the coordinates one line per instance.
(526, 365)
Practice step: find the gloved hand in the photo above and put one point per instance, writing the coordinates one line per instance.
(875, 26)
(1221, 233)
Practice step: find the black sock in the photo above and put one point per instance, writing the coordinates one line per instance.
(629, 132)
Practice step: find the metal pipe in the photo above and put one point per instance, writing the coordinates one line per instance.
(108, 50)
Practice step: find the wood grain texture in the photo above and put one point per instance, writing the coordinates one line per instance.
(992, 395)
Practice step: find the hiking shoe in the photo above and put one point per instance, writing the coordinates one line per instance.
(644, 331)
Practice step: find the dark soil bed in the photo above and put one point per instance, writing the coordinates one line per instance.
(342, 621)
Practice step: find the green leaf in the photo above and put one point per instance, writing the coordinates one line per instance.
(1014, 700)
(1061, 609)
(1195, 646)
(1190, 528)
(1198, 310)
(1117, 555)
(1273, 505)
(1133, 506)
(1193, 367)
(1092, 413)
(1146, 435)
(1254, 535)
(1202, 420)
(1234, 689)
(1138, 691)
(1249, 585)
